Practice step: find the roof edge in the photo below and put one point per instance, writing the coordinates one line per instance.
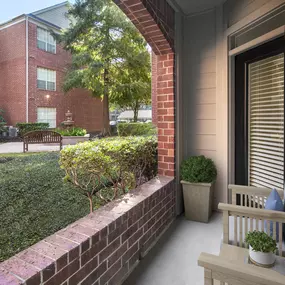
(50, 8)
(11, 21)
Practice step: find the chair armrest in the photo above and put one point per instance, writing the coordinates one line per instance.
(252, 212)
(235, 273)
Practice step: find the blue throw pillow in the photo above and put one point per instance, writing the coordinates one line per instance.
(273, 202)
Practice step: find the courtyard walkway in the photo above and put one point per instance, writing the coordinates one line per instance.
(17, 147)
(173, 260)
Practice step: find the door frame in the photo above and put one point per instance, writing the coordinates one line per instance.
(229, 76)
(242, 62)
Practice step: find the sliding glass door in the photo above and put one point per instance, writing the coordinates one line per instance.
(259, 116)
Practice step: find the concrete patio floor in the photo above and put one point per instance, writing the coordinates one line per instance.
(17, 147)
(173, 260)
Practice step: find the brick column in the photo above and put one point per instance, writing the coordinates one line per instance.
(166, 115)
(154, 87)
(155, 20)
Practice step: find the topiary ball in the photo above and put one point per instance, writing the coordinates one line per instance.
(198, 169)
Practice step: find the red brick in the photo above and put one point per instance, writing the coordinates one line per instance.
(162, 98)
(168, 104)
(169, 145)
(13, 81)
(168, 118)
(168, 63)
(169, 132)
(169, 159)
(163, 138)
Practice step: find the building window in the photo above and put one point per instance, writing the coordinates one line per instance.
(46, 79)
(46, 41)
(47, 115)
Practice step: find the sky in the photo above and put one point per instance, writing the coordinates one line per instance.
(12, 8)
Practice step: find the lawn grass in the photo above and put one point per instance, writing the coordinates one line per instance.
(34, 200)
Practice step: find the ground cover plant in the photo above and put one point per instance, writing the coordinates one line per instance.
(35, 202)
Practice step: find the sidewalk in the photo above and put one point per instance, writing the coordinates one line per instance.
(17, 147)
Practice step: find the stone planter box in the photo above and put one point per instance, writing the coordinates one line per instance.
(72, 140)
(197, 201)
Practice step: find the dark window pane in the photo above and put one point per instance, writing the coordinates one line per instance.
(51, 48)
(51, 86)
(41, 84)
(41, 45)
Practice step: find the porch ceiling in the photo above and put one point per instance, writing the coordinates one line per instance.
(196, 6)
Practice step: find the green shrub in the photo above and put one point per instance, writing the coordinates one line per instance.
(75, 131)
(2, 119)
(198, 169)
(28, 127)
(3, 127)
(121, 163)
(260, 241)
(136, 129)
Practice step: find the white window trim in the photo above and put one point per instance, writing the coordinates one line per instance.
(46, 78)
(45, 109)
(46, 43)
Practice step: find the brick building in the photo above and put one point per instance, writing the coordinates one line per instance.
(32, 68)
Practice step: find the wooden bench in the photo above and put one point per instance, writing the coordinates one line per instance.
(36, 137)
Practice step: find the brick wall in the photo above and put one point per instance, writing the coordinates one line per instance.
(155, 19)
(166, 114)
(12, 73)
(101, 248)
(87, 110)
(154, 87)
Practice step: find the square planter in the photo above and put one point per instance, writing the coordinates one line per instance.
(72, 140)
(198, 201)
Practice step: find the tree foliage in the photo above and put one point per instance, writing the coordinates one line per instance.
(109, 56)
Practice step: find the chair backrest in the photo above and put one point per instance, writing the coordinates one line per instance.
(218, 270)
(249, 196)
(42, 137)
(239, 220)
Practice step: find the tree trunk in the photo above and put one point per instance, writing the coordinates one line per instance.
(106, 118)
(136, 112)
(90, 202)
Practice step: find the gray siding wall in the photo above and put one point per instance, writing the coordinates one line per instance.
(236, 10)
(199, 85)
(56, 16)
(204, 80)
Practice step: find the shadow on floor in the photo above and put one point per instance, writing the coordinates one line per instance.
(173, 260)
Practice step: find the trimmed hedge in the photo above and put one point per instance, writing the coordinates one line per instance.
(28, 127)
(121, 163)
(136, 129)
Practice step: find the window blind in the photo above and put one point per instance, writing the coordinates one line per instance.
(47, 115)
(45, 40)
(46, 79)
(266, 122)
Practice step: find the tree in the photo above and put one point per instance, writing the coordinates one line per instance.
(133, 87)
(103, 42)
